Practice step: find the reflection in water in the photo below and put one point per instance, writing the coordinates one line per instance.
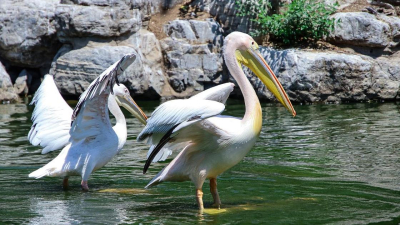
(329, 164)
(51, 212)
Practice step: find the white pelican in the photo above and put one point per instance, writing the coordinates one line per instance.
(211, 143)
(91, 141)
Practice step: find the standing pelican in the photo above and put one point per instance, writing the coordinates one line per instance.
(91, 142)
(211, 143)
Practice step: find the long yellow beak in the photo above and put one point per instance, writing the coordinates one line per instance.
(253, 60)
(129, 104)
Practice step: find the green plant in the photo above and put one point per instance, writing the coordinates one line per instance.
(300, 21)
(252, 8)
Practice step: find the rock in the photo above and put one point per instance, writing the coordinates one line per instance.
(76, 69)
(394, 23)
(193, 55)
(149, 50)
(146, 7)
(21, 85)
(28, 35)
(328, 76)
(97, 2)
(74, 22)
(226, 14)
(360, 29)
(6, 88)
(198, 32)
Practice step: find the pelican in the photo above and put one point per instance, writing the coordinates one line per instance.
(211, 143)
(90, 141)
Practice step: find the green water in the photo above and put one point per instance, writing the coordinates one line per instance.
(331, 164)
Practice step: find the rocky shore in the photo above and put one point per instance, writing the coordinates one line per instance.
(180, 55)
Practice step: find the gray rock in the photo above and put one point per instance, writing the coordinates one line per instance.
(146, 7)
(360, 29)
(193, 55)
(394, 23)
(76, 69)
(195, 31)
(21, 85)
(7, 92)
(226, 14)
(28, 35)
(180, 29)
(149, 49)
(327, 76)
(75, 21)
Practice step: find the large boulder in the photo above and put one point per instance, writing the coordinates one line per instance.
(193, 55)
(75, 22)
(28, 35)
(360, 29)
(310, 76)
(148, 48)
(7, 92)
(147, 7)
(226, 14)
(75, 69)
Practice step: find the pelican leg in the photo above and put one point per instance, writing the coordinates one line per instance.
(65, 183)
(214, 193)
(199, 196)
(84, 185)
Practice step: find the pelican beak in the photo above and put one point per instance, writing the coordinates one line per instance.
(252, 59)
(129, 104)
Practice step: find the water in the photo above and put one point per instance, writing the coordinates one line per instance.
(331, 164)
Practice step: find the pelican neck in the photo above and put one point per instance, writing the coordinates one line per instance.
(253, 111)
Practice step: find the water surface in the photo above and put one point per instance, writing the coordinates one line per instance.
(331, 164)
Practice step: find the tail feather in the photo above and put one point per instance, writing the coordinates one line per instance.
(42, 172)
(156, 180)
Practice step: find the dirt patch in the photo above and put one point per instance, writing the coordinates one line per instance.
(180, 11)
(357, 6)
(373, 7)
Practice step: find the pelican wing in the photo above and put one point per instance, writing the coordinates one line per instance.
(218, 93)
(51, 117)
(90, 115)
(169, 118)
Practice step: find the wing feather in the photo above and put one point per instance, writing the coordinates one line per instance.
(90, 115)
(169, 118)
(218, 93)
(51, 114)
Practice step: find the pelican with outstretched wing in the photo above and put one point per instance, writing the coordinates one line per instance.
(211, 143)
(90, 141)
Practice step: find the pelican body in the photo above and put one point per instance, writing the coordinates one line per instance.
(92, 141)
(211, 143)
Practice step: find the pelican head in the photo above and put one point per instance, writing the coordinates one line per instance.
(124, 99)
(247, 53)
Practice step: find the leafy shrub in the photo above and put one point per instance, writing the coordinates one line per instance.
(252, 8)
(301, 20)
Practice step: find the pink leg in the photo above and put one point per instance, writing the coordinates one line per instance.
(84, 185)
(65, 183)
(214, 193)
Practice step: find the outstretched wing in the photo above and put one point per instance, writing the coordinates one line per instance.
(51, 117)
(169, 118)
(218, 93)
(90, 115)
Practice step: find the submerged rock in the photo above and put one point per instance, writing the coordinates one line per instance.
(7, 92)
